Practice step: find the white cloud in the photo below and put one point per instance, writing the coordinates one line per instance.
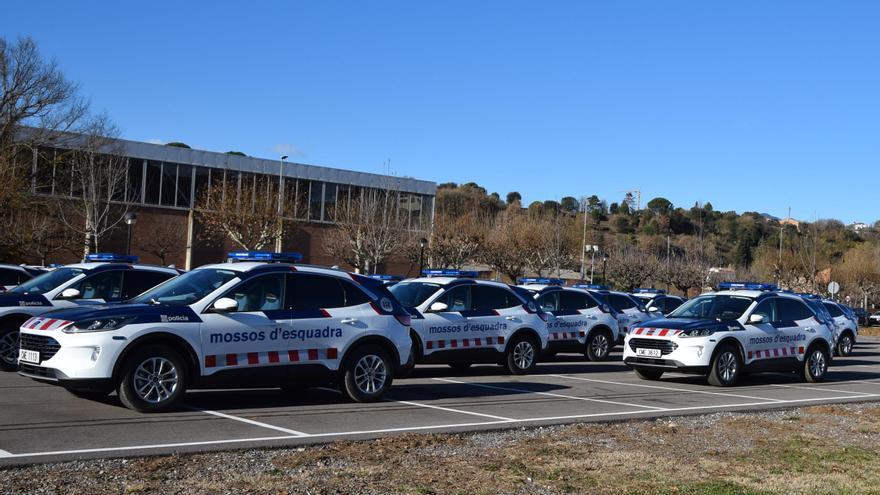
(155, 141)
(287, 149)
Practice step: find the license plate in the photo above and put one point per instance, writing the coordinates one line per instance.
(654, 353)
(29, 356)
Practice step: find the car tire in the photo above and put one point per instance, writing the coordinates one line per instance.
(815, 365)
(650, 375)
(9, 349)
(367, 374)
(845, 345)
(726, 367)
(521, 355)
(147, 375)
(460, 366)
(598, 346)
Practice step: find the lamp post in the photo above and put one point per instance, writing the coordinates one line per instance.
(130, 219)
(604, 262)
(280, 200)
(422, 244)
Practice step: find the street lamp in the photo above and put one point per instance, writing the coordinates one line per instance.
(422, 244)
(130, 219)
(280, 200)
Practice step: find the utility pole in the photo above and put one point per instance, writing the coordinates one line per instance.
(584, 242)
(278, 239)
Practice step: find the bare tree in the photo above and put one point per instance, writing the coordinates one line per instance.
(629, 267)
(245, 212)
(368, 228)
(861, 270)
(164, 239)
(96, 167)
(505, 249)
(683, 273)
(454, 241)
(34, 233)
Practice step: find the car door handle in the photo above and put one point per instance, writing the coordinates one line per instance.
(511, 318)
(350, 321)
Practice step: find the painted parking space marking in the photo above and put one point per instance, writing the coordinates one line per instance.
(3, 453)
(449, 409)
(549, 394)
(252, 422)
(663, 387)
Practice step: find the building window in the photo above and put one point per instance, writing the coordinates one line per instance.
(135, 180)
(45, 173)
(153, 185)
(329, 202)
(202, 180)
(415, 211)
(316, 198)
(169, 183)
(184, 185)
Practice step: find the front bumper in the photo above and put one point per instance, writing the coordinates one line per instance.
(69, 357)
(689, 355)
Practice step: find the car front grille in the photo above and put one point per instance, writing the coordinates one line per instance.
(665, 346)
(47, 346)
(37, 371)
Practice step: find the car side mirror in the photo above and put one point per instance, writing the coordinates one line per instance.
(756, 319)
(70, 293)
(653, 309)
(438, 307)
(225, 305)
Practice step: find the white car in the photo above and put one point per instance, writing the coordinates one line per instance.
(744, 327)
(847, 327)
(458, 320)
(658, 300)
(579, 323)
(102, 278)
(258, 320)
(13, 275)
(629, 311)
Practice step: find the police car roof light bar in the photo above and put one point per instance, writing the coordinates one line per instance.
(386, 277)
(443, 272)
(263, 256)
(642, 290)
(746, 286)
(539, 280)
(591, 286)
(110, 257)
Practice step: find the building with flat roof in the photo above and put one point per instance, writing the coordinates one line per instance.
(164, 183)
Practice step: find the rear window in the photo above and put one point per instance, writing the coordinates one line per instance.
(484, 297)
(791, 310)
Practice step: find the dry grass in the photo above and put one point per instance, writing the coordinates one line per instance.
(820, 449)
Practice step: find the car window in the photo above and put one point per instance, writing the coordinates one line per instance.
(353, 294)
(574, 300)
(136, 282)
(412, 294)
(792, 310)
(457, 299)
(767, 309)
(311, 291)
(9, 276)
(48, 281)
(620, 302)
(102, 285)
(484, 298)
(671, 304)
(263, 293)
(549, 301)
(833, 309)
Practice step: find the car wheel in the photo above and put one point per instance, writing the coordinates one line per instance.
(598, 346)
(845, 345)
(153, 379)
(460, 366)
(815, 365)
(652, 375)
(521, 355)
(9, 349)
(726, 367)
(367, 374)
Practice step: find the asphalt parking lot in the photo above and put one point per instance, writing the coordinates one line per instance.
(42, 423)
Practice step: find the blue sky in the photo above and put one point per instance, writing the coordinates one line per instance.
(752, 105)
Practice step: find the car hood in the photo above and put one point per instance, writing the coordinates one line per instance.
(144, 313)
(9, 299)
(688, 323)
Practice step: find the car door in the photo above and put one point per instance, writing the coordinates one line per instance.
(492, 315)
(796, 324)
(252, 334)
(760, 338)
(439, 328)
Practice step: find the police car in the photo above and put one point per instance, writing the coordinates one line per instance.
(257, 320)
(102, 278)
(847, 326)
(743, 327)
(657, 301)
(13, 275)
(459, 320)
(579, 323)
(629, 311)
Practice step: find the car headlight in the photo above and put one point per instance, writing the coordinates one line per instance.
(698, 332)
(99, 324)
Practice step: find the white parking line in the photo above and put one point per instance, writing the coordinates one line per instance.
(550, 394)
(449, 409)
(422, 428)
(662, 387)
(3, 454)
(252, 422)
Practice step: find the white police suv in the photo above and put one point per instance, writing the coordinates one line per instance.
(657, 301)
(579, 322)
(846, 326)
(629, 311)
(258, 320)
(743, 327)
(14, 275)
(459, 320)
(102, 278)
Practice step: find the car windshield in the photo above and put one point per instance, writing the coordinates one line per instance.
(412, 294)
(714, 306)
(187, 288)
(47, 281)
